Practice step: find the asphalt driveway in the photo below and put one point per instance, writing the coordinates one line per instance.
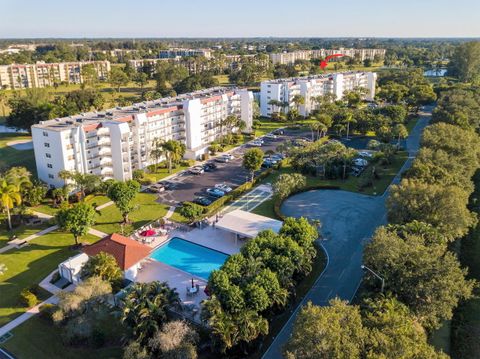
(348, 222)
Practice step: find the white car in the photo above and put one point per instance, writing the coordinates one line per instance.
(365, 154)
(223, 187)
(271, 135)
(229, 156)
(256, 143)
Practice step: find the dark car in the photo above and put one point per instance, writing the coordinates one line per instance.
(203, 201)
(209, 167)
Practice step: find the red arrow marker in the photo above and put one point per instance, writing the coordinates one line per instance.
(324, 63)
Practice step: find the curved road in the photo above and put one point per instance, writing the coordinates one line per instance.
(348, 221)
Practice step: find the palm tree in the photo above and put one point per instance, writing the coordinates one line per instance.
(298, 100)
(174, 151)
(9, 197)
(146, 306)
(348, 120)
(157, 151)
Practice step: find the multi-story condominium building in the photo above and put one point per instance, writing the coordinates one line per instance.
(43, 74)
(282, 91)
(147, 65)
(287, 58)
(181, 52)
(115, 142)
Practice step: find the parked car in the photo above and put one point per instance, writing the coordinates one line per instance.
(211, 165)
(229, 156)
(223, 187)
(256, 143)
(278, 132)
(267, 163)
(167, 185)
(203, 201)
(365, 154)
(215, 192)
(208, 168)
(197, 170)
(222, 159)
(360, 162)
(271, 136)
(156, 188)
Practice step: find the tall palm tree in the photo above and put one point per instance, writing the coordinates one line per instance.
(174, 152)
(9, 197)
(157, 151)
(348, 120)
(146, 305)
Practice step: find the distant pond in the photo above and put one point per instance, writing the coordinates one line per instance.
(435, 73)
(6, 129)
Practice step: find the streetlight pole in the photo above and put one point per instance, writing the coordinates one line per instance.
(376, 275)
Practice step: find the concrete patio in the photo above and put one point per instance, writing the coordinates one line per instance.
(153, 270)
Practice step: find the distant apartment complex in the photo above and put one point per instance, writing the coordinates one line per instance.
(41, 74)
(181, 52)
(113, 143)
(284, 90)
(286, 58)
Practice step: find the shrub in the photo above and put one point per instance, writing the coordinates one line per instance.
(46, 312)
(138, 175)
(28, 299)
(187, 163)
(35, 289)
(98, 338)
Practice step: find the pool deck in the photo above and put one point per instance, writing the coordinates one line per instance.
(209, 237)
(153, 270)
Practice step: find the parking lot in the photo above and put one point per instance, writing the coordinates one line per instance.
(186, 186)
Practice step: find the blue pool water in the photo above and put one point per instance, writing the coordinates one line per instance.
(189, 257)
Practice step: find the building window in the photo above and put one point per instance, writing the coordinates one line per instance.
(49, 165)
(45, 133)
(46, 144)
(51, 176)
(48, 155)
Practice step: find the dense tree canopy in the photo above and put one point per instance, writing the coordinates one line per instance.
(424, 276)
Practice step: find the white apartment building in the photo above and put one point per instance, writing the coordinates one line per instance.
(115, 142)
(287, 58)
(41, 74)
(310, 87)
(181, 52)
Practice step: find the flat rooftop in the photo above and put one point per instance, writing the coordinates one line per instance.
(112, 114)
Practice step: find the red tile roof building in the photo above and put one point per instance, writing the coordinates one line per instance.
(126, 251)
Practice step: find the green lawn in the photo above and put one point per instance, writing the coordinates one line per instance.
(47, 205)
(161, 173)
(39, 339)
(148, 210)
(20, 231)
(29, 265)
(350, 184)
(10, 157)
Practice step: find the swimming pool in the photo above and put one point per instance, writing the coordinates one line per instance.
(189, 257)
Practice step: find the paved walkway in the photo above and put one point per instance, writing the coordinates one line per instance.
(170, 212)
(97, 233)
(27, 315)
(348, 222)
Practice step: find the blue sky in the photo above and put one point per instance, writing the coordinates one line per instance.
(240, 18)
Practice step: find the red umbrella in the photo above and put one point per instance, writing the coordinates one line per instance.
(148, 233)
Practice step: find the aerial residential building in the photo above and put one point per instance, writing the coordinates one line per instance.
(181, 52)
(41, 74)
(283, 91)
(286, 58)
(115, 142)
